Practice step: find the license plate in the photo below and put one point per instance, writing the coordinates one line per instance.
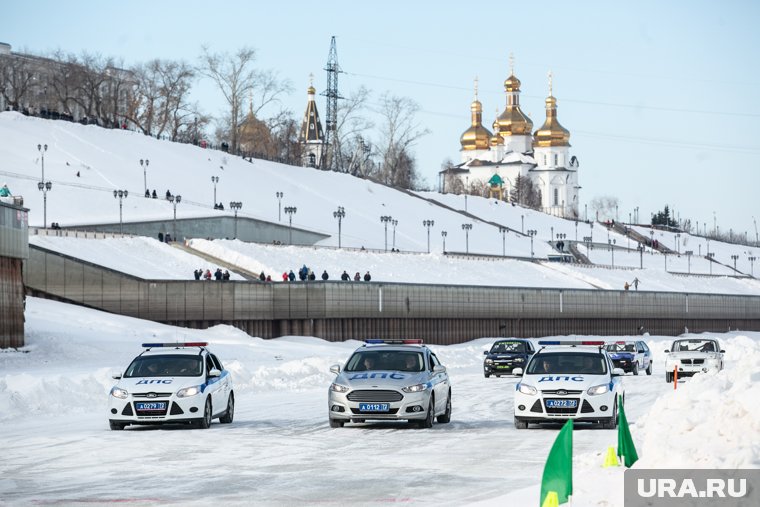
(152, 405)
(374, 407)
(502, 367)
(561, 403)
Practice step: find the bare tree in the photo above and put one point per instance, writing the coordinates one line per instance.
(604, 207)
(16, 80)
(352, 126)
(399, 132)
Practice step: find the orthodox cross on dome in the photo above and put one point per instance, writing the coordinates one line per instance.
(476, 87)
(512, 63)
(311, 79)
(550, 83)
(250, 102)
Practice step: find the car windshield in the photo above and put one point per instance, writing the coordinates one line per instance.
(387, 360)
(567, 363)
(508, 348)
(694, 346)
(165, 366)
(621, 347)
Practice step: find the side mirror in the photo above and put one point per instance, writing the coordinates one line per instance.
(667, 351)
(485, 352)
(439, 368)
(722, 351)
(518, 372)
(618, 372)
(116, 376)
(214, 372)
(335, 369)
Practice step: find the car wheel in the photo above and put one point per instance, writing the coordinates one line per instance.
(668, 377)
(427, 422)
(446, 416)
(205, 422)
(649, 368)
(521, 424)
(230, 412)
(334, 423)
(635, 369)
(487, 375)
(116, 426)
(611, 423)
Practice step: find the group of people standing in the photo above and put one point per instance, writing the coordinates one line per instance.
(306, 274)
(207, 275)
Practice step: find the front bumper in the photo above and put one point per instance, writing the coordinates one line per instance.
(625, 364)
(689, 370)
(177, 411)
(502, 367)
(532, 408)
(410, 406)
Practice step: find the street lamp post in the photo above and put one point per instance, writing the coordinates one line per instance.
(734, 257)
(651, 239)
(531, 233)
(385, 219)
(752, 260)
(340, 214)
(678, 239)
(236, 206)
(144, 164)
(688, 254)
(121, 194)
(467, 228)
(576, 230)
(215, 180)
(395, 223)
(44, 186)
(592, 232)
(466, 190)
(710, 256)
(290, 211)
(443, 235)
(522, 224)
(428, 224)
(612, 242)
(640, 248)
(175, 199)
(503, 232)
(279, 205)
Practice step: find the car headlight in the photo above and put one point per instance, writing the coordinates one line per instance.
(186, 392)
(489, 361)
(339, 388)
(597, 390)
(526, 389)
(118, 392)
(415, 388)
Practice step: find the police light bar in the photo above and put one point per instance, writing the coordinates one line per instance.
(375, 341)
(176, 345)
(571, 342)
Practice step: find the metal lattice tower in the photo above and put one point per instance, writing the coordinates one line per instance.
(331, 118)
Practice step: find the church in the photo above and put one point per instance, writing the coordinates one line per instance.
(491, 162)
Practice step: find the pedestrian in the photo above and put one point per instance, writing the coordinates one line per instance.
(357, 277)
(325, 276)
(147, 193)
(626, 286)
(207, 276)
(367, 277)
(262, 277)
(284, 276)
(269, 278)
(311, 275)
(226, 275)
(155, 196)
(197, 274)
(292, 276)
(303, 273)
(636, 283)
(345, 276)
(168, 194)
(161, 237)
(168, 238)
(218, 274)
(5, 191)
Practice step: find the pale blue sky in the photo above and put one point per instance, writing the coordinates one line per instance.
(660, 97)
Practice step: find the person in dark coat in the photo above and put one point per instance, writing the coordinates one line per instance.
(357, 277)
(197, 274)
(226, 275)
(367, 277)
(292, 276)
(312, 276)
(155, 196)
(218, 274)
(325, 276)
(345, 276)
(262, 276)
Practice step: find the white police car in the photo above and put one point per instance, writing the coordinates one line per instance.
(568, 380)
(390, 380)
(172, 383)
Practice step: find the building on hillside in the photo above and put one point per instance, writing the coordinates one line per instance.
(65, 88)
(311, 137)
(14, 250)
(515, 151)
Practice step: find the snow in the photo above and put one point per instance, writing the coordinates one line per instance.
(280, 450)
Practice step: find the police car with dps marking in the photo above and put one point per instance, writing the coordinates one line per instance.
(390, 380)
(569, 380)
(172, 383)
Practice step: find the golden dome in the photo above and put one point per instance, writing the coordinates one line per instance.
(551, 132)
(496, 139)
(512, 84)
(311, 90)
(477, 136)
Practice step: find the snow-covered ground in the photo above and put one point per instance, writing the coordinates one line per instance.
(57, 448)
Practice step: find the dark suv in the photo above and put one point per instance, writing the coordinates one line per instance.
(506, 355)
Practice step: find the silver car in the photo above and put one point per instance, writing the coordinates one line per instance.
(390, 380)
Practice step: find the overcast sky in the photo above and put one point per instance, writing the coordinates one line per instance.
(660, 98)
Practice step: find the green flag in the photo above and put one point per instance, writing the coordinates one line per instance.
(558, 471)
(625, 446)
